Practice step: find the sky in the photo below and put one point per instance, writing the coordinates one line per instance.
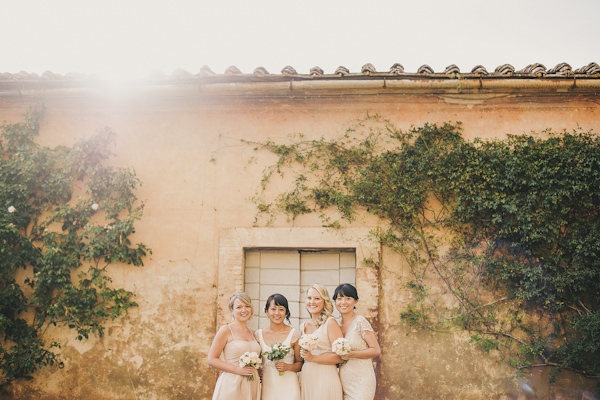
(128, 39)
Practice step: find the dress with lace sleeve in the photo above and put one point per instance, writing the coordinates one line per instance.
(358, 375)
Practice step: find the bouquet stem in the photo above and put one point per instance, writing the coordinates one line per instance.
(281, 373)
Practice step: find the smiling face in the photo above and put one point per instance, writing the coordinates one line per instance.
(241, 311)
(344, 304)
(276, 313)
(314, 302)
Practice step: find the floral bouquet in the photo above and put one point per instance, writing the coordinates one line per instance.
(341, 347)
(250, 359)
(307, 342)
(277, 352)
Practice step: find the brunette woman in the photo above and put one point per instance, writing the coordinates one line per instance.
(280, 378)
(357, 374)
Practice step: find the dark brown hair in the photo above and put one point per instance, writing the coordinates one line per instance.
(279, 300)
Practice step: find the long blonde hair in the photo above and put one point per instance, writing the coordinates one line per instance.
(327, 304)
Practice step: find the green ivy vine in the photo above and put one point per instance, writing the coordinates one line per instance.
(65, 218)
(502, 237)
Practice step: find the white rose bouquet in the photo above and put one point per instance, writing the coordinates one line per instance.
(277, 352)
(307, 342)
(250, 359)
(341, 347)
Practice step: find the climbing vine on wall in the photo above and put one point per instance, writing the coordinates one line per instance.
(66, 217)
(501, 237)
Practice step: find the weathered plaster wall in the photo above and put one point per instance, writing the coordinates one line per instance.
(186, 148)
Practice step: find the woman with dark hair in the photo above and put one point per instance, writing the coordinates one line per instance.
(277, 386)
(357, 374)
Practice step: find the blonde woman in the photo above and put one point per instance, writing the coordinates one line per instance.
(233, 340)
(320, 379)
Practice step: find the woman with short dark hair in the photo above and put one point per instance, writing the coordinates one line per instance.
(357, 373)
(279, 378)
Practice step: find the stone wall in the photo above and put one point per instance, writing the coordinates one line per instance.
(186, 146)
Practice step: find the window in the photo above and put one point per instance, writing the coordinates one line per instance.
(237, 244)
(291, 272)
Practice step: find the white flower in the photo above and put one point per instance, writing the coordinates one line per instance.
(11, 209)
(95, 206)
(277, 352)
(250, 359)
(341, 346)
(308, 342)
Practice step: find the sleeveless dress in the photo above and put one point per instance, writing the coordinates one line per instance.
(232, 386)
(320, 381)
(275, 386)
(358, 375)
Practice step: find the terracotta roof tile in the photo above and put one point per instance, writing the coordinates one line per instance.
(367, 71)
(49, 76)
(397, 69)
(590, 69)
(288, 70)
(452, 69)
(425, 69)
(261, 71)
(341, 70)
(316, 71)
(206, 71)
(479, 69)
(561, 69)
(533, 69)
(233, 70)
(368, 68)
(505, 69)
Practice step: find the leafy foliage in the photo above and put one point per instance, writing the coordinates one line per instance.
(502, 237)
(65, 217)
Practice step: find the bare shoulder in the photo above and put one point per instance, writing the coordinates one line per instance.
(221, 339)
(303, 327)
(223, 332)
(333, 325)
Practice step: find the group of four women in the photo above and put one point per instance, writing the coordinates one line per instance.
(320, 379)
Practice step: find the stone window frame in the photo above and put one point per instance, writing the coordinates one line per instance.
(234, 242)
